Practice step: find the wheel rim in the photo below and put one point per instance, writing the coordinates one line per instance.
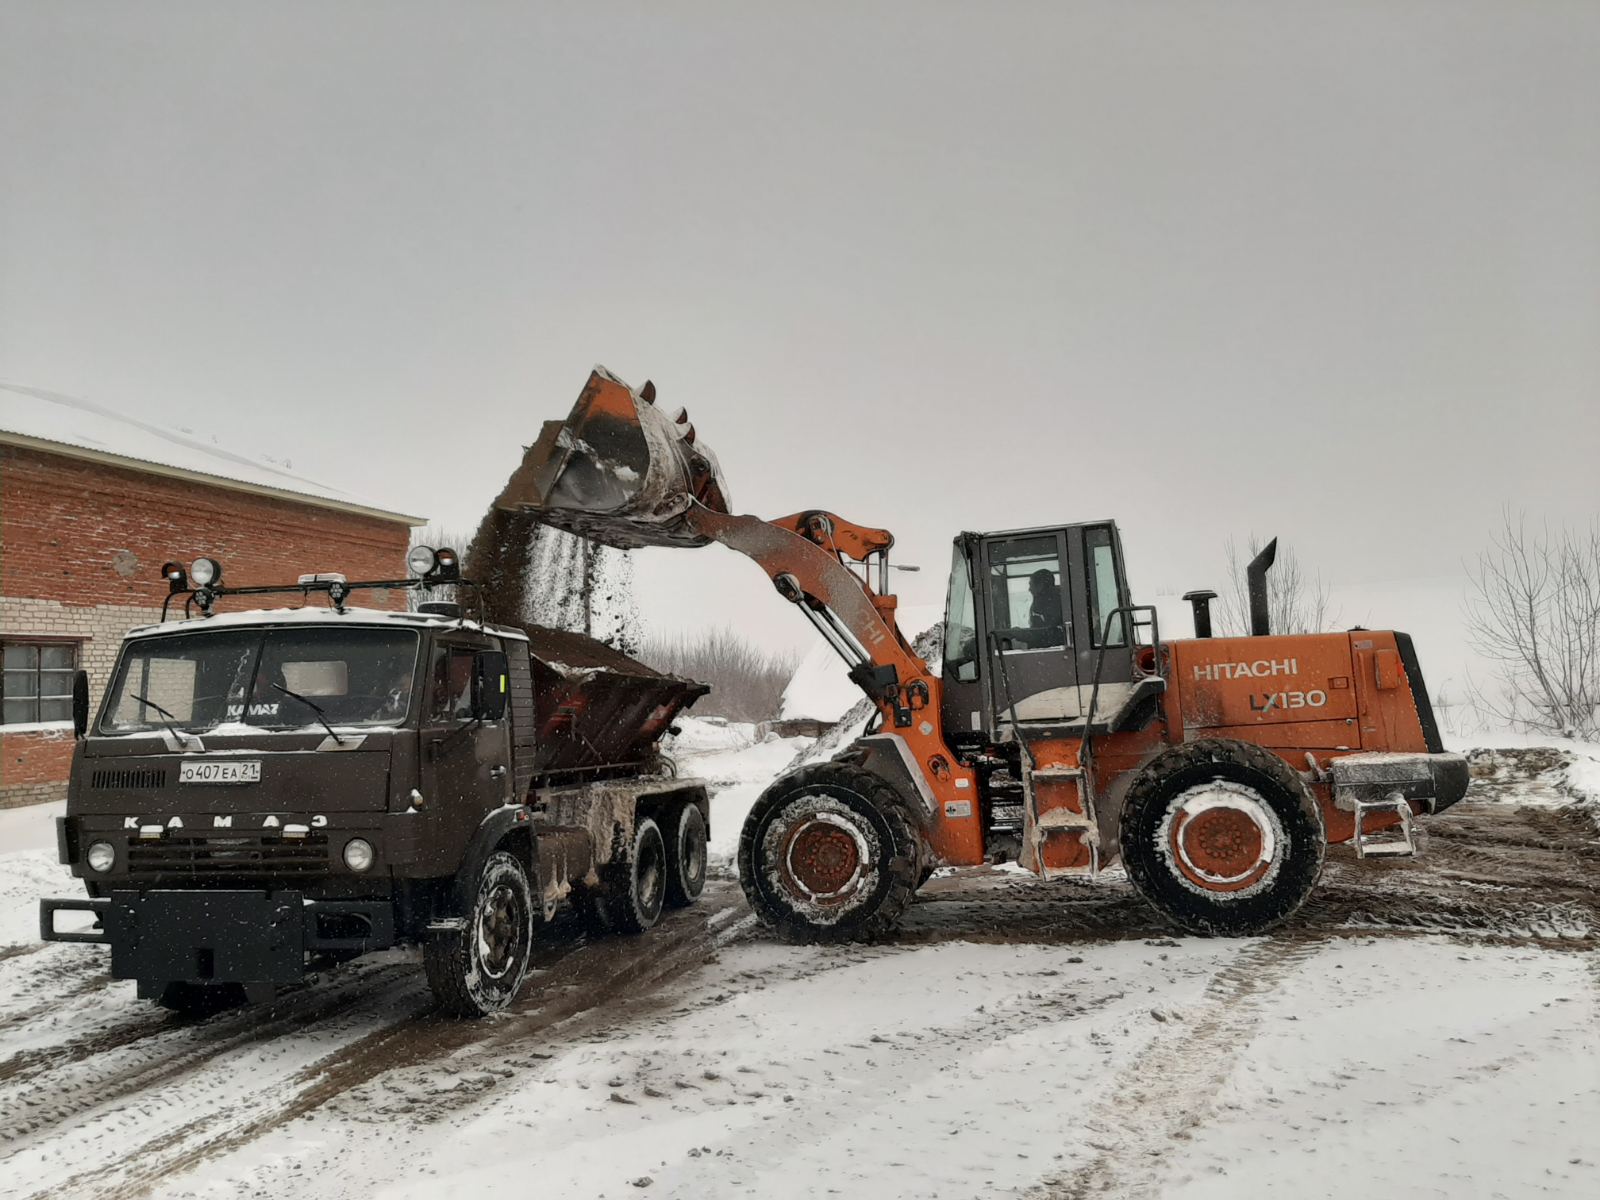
(824, 858)
(501, 931)
(1223, 837)
(650, 875)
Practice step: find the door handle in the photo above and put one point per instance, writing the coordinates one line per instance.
(497, 772)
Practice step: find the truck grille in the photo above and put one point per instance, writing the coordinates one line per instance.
(129, 777)
(229, 856)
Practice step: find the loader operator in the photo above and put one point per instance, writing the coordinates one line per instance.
(1046, 625)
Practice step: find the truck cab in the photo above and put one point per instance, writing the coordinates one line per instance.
(264, 790)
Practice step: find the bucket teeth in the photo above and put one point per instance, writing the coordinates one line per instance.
(618, 470)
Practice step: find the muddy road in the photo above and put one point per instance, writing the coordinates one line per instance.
(106, 1096)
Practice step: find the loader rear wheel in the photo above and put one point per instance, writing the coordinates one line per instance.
(829, 854)
(686, 855)
(1222, 837)
(479, 968)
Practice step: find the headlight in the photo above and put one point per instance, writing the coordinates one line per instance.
(420, 560)
(205, 571)
(102, 856)
(358, 854)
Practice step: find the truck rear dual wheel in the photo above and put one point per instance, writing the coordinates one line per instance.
(636, 887)
(686, 854)
(479, 968)
(1222, 837)
(830, 854)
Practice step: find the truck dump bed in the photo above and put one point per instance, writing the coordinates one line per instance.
(596, 710)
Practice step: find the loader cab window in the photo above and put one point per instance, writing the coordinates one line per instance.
(1026, 593)
(1105, 597)
(960, 627)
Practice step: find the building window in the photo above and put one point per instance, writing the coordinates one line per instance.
(36, 684)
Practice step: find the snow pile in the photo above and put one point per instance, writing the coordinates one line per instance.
(737, 761)
(854, 722)
(1537, 770)
(821, 689)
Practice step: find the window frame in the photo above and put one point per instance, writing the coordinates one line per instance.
(38, 671)
(1091, 593)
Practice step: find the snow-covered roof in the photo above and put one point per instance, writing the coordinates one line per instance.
(316, 613)
(61, 424)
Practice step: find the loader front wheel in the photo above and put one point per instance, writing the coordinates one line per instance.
(1222, 837)
(829, 854)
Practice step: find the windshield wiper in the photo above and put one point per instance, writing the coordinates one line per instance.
(314, 707)
(167, 719)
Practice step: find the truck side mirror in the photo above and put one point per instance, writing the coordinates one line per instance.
(490, 680)
(80, 704)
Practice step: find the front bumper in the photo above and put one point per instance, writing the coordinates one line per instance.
(221, 936)
(1436, 780)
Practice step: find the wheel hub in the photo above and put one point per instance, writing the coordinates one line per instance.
(1222, 837)
(499, 932)
(823, 858)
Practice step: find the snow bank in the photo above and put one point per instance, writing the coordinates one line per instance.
(1534, 769)
(821, 689)
(737, 762)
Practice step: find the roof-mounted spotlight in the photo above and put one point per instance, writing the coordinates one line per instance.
(177, 578)
(446, 564)
(206, 572)
(420, 560)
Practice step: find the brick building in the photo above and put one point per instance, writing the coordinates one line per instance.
(91, 505)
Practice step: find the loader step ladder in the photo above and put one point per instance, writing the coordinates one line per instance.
(1401, 843)
(1058, 803)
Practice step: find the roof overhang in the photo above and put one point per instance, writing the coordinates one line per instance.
(147, 467)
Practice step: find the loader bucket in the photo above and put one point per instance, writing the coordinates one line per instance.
(618, 470)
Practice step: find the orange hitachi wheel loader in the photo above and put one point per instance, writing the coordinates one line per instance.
(1062, 731)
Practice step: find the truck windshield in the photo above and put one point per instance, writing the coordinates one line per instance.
(198, 681)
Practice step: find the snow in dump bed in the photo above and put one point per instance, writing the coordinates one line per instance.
(71, 421)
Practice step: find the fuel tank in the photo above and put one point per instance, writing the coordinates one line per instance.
(617, 471)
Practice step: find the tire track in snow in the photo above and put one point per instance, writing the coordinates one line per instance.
(1172, 1085)
(611, 970)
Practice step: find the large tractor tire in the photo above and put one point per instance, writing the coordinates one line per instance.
(830, 853)
(686, 854)
(479, 968)
(1222, 837)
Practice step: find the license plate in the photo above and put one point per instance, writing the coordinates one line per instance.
(219, 771)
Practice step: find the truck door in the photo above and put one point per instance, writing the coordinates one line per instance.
(1028, 600)
(466, 763)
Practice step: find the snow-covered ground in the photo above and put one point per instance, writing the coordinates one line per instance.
(1422, 1029)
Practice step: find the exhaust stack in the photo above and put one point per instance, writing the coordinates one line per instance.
(617, 471)
(1256, 575)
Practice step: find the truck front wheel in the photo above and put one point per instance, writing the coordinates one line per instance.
(1221, 837)
(478, 968)
(829, 854)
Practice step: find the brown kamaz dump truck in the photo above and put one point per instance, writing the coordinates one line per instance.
(266, 791)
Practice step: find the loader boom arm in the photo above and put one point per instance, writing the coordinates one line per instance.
(804, 557)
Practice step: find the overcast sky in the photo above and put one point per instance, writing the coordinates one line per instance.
(1326, 271)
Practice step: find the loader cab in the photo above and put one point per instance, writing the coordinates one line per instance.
(1029, 614)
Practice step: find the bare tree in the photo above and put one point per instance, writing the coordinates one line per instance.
(1296, 601)
(746, 681)
(1533, 610)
